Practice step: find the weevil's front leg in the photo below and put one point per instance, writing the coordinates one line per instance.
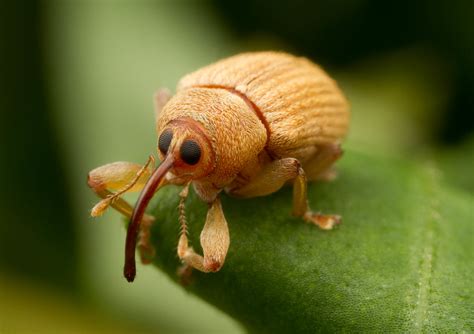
(123, 177)
(273, 176)
(214, 241)
(120, 176)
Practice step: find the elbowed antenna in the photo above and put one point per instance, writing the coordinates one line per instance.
(129, 270)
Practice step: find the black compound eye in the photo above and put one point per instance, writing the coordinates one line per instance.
(165, 141)
(190, 152)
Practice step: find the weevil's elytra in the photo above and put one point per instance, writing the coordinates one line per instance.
(245, 125)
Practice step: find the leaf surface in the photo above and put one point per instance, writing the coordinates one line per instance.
(401, 261)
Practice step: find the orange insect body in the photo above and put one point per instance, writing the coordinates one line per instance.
(266, 101)
(247, 124)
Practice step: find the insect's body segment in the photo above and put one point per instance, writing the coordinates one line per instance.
(247, 125)
(221, 121)
(302, 107)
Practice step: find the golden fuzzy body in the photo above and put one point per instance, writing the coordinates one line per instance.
(248, 125)
(302, 106)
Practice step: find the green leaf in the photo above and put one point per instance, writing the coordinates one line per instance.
(401, 261)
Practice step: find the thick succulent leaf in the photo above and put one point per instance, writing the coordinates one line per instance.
(401, 261)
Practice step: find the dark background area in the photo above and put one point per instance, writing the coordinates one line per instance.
(37, 230)
(39, 238)
(340, 33)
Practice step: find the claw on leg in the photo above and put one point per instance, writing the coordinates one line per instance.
(100, 207)
(324, 222)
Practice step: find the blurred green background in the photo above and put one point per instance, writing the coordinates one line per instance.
(77, 85)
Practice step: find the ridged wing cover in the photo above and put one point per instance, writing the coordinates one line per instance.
(303, 106)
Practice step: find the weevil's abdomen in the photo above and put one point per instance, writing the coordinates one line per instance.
(300, 105)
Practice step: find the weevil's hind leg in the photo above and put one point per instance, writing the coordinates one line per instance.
(161, 97)
(123, 177)
(214, 240)
(273, 176)
(320, 166)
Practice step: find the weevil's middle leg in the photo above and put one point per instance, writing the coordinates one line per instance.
(123, 177)
(270, 179)
(273, 176)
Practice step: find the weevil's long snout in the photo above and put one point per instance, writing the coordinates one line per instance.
(147, 193)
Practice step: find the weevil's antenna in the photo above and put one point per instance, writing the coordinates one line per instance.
(129, 270)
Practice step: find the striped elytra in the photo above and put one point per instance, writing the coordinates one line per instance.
(301, 106)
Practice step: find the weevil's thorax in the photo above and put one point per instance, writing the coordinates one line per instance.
(230, 133)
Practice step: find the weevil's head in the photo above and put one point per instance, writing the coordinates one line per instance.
(187, 143)
(203, 134)
(187, 154)
(210, 133)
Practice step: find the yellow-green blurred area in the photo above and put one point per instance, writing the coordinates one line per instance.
(77, 85)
